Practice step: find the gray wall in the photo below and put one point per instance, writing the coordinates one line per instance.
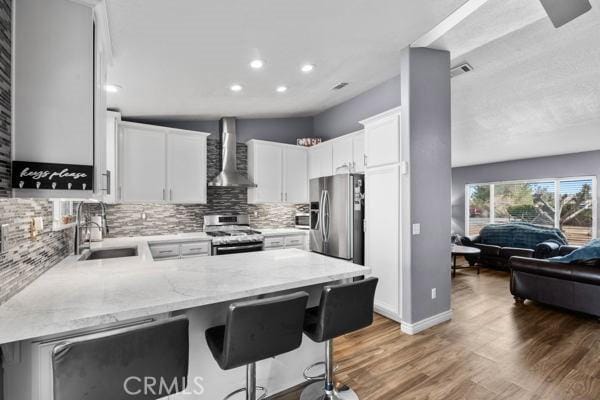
(568, 165)
(426, 117)
(283, 130)
(343, 118)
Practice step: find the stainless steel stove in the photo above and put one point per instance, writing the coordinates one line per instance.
(232, 234)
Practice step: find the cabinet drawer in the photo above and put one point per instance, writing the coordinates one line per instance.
(165, 251)
(196, 248)
(294, 241)
(271, 242)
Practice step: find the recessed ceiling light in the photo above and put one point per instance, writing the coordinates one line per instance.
(236, 88)
(306, 68)
(257, 64)
(112, 88)
(281, 89)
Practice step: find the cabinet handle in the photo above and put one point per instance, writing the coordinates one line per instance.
(365, 159)
(286, 196)
(165, 251)
(171, 194)
(107, 189)
(120, 193)
(281, 196)
(164, 194)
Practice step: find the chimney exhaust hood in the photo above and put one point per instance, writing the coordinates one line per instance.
(229, 175)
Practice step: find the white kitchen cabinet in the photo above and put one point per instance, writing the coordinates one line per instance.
(342, 154)
(143, 159)
(186, 167)
(295, 167)
(296, 241)
(320, 162)
(387, 209)
(382, 235)
(358, 152)
(382, 138)
(158, 164)
(107, 165)
(279, 171)
(169, 250)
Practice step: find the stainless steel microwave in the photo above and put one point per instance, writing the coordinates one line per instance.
(302, 221)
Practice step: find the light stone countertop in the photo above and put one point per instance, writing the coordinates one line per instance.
(84, 294)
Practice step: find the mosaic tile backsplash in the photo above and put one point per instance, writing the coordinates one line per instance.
(28, 258)
(125, 219)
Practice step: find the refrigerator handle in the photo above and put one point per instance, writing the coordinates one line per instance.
(320, 220)
(326, 216)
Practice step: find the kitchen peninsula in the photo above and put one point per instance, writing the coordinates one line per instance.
(78, 297)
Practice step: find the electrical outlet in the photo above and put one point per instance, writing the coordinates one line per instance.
(416, 229)
(433, 293)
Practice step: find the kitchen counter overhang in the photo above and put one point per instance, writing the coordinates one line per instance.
(84, 294)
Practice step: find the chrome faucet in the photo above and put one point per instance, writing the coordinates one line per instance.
(85, 223)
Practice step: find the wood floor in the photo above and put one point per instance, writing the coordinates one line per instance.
(492, 350)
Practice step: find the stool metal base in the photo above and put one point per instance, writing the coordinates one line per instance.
(316, 391)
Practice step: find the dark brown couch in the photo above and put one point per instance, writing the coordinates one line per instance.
(572, 286)
(496, 256)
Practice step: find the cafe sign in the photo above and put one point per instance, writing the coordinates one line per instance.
(34, 175)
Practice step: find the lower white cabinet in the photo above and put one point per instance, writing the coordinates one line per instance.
(286, 242)
(158, 164)
(280, 172)
(173, 250)
(382, 236)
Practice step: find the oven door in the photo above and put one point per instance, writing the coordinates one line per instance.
(236, 248)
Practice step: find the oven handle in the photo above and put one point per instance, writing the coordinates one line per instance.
(253, 246)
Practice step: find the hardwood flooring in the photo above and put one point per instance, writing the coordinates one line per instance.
(492, 350)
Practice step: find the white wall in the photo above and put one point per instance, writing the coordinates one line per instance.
(53, 83)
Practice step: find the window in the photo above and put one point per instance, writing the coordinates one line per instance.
(536, 202)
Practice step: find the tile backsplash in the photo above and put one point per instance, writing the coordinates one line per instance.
(125, 219)
(28, 258)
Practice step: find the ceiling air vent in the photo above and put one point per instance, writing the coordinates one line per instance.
(340, 85)
(460, 69)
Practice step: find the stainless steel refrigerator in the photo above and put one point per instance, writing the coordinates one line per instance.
(337, 216)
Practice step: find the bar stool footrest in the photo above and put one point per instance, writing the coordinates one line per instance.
(243, 390)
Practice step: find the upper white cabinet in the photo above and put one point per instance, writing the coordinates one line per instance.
(159, 164)
(265, 169)
(342, 154)
(279, 171)
(106, 174)
(143, 159)
(320, 162)
(295, 169)
(186, 167)
(358, 152)
(382, 138)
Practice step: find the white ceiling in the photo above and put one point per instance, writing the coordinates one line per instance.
(535, 90)
(177, 58)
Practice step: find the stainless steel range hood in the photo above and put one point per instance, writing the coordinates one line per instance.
(229, 175)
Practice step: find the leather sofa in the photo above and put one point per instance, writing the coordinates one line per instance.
(497, 256)
(571, 286)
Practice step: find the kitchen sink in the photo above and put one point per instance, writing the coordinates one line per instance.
(102, 254)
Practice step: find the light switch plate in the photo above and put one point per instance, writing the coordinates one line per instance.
(416, 229)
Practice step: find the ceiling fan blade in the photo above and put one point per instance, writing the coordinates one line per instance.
(564, 11)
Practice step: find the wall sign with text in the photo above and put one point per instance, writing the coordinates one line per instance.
(34, 175)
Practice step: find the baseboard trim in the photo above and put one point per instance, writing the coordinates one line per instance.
(419, 326)
(388, 314)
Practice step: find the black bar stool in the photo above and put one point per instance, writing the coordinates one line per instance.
(147, 362)
(343, 309)
(256, 330)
